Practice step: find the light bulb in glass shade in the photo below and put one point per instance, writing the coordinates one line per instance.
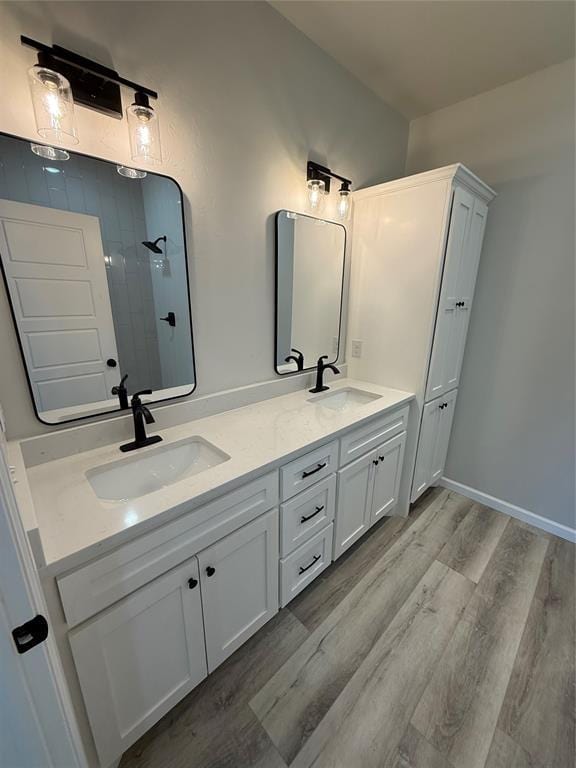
(144, 131)
(49, 153)
(344, 204)
(53, 105)
(316, 189)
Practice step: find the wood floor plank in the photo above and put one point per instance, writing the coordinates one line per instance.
(213, 727)
(470, 548)
(505, 753)
(293, 702)
(459, 709)
(415, 752)
(364, 726)
(539, 707)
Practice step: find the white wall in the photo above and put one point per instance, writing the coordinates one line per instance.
(513, 434)
(245, 99)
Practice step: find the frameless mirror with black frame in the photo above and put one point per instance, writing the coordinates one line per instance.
(310, 256)
(94, 266)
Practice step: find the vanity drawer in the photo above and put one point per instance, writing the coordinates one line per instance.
(102, 582)
(359, 441)
(306, 513)
(302, 566)
(308, 469)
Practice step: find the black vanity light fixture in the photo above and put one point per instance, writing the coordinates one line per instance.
(61, 78)
(318, 179)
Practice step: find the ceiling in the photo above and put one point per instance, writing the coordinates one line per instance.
(419, 56)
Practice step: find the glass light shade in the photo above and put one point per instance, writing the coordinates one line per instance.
(131, 173)
(316, 189)
(49, 153)
(53, 105)
(344, 205)
(144, 134)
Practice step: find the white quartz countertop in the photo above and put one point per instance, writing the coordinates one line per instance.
(75, 526)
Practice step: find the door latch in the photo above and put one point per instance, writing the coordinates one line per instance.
(31, 633)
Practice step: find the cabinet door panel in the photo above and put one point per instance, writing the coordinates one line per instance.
(239, 577)
(140, 657)
(353, 505)
(429, 430)
(387, 477)
(442, 362)
(443, 437)
(465, 291)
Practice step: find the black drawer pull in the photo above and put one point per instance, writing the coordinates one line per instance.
(192, 583)
(381, 458)
(313, 471)
(309, 517)
(303, 570)
(210, 570)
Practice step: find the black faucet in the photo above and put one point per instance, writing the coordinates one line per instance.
(298, 358)
(321, 367)
(122, 392)
(140, 415)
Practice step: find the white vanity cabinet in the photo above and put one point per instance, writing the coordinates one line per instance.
(367, 491)
(140, 657)
(239, 578)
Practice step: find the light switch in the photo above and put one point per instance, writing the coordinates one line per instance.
(356, 348)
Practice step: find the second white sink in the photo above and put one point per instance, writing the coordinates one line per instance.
(344, 399)
(154, 469)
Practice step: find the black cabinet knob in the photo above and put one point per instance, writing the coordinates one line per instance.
(381, 458)
(210, 571)
(192, 583)
(111, 363)
(375, 462)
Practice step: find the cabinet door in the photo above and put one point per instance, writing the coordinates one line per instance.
(445, 348)
(440, 450)
(387, 477)
(140, 657)
(239, 577)
(354, 499)
(429, 431)
(465, 291)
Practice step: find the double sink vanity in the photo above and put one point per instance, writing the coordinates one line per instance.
(164, 562)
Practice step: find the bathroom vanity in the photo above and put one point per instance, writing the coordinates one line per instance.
(162, 575)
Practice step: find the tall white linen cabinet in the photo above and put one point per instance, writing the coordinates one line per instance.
(415, 252)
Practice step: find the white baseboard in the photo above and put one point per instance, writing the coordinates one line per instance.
(511, 509)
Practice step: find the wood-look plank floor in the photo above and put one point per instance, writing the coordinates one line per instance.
(445, 640)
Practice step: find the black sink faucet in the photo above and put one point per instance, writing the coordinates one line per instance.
(122, 392)
(321, 367)
(140, 415)
(297, 357)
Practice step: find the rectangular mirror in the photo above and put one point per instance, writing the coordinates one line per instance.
(94, 265)
(309, 286)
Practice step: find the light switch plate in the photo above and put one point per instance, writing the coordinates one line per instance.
(356, 348)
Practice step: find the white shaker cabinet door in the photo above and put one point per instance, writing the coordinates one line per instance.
(136, 660)
(239, 577)
(444, 369)
(354, 498)
(433, 442)
(387, 477)
(443, 438)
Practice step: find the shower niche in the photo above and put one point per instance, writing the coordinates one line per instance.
(94, 265)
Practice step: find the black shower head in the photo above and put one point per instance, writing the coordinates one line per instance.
(153, 246)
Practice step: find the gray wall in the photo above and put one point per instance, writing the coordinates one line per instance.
(513, 434)
(245, 99)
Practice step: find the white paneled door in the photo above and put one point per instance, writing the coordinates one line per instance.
(54, 266)
(433, 443)
(239, 577)
(140, 657)
(448, 338)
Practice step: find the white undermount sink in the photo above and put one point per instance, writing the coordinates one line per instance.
(344, 399)
(154, 469)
